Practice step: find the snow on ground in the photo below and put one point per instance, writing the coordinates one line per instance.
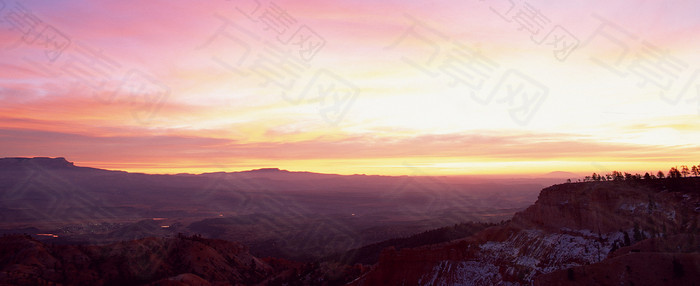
(542, 252)
(524, 254)
(634, 207)
(463, 273)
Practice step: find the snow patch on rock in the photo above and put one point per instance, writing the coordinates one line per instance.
(530, 252)
(448, 272)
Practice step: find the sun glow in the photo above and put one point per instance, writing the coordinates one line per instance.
(180, 88)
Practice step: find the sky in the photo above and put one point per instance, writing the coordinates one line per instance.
(353, 87)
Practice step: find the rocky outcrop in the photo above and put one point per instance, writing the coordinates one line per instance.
(663, 206)
(571, 226)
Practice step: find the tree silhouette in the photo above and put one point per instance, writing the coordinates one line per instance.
(638, 235)
(570, 274)
(685, 171)
(617, 176)
(674, 173)
(678, 270)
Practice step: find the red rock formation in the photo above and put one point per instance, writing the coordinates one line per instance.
(571, 226)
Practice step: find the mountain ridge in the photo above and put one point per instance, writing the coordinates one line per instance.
(54, 162)
(62, 162)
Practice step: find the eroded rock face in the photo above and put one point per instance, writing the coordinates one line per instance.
(607, 207)
(570, 226)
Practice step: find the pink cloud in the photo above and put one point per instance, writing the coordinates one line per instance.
(148, 148)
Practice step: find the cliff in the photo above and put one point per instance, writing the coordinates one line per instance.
(590, 228)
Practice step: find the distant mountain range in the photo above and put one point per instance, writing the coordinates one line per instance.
(63, 163)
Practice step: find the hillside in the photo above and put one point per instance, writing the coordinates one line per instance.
(179, 260)
(369, 254)
(585, 232)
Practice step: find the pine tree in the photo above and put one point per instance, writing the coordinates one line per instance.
(685, 171)
(678, 270)
(638, 236)
(674, 173)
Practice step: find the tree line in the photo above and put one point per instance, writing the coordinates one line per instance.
(674, 172)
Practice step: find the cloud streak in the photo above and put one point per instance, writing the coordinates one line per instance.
(197, 150)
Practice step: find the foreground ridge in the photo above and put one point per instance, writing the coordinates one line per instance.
(180, 260)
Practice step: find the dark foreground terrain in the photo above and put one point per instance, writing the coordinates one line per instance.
(179, 260)
(623, 232)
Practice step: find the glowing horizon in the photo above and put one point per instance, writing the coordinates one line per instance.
(353, 87)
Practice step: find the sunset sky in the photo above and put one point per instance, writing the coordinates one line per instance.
(373, 87)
